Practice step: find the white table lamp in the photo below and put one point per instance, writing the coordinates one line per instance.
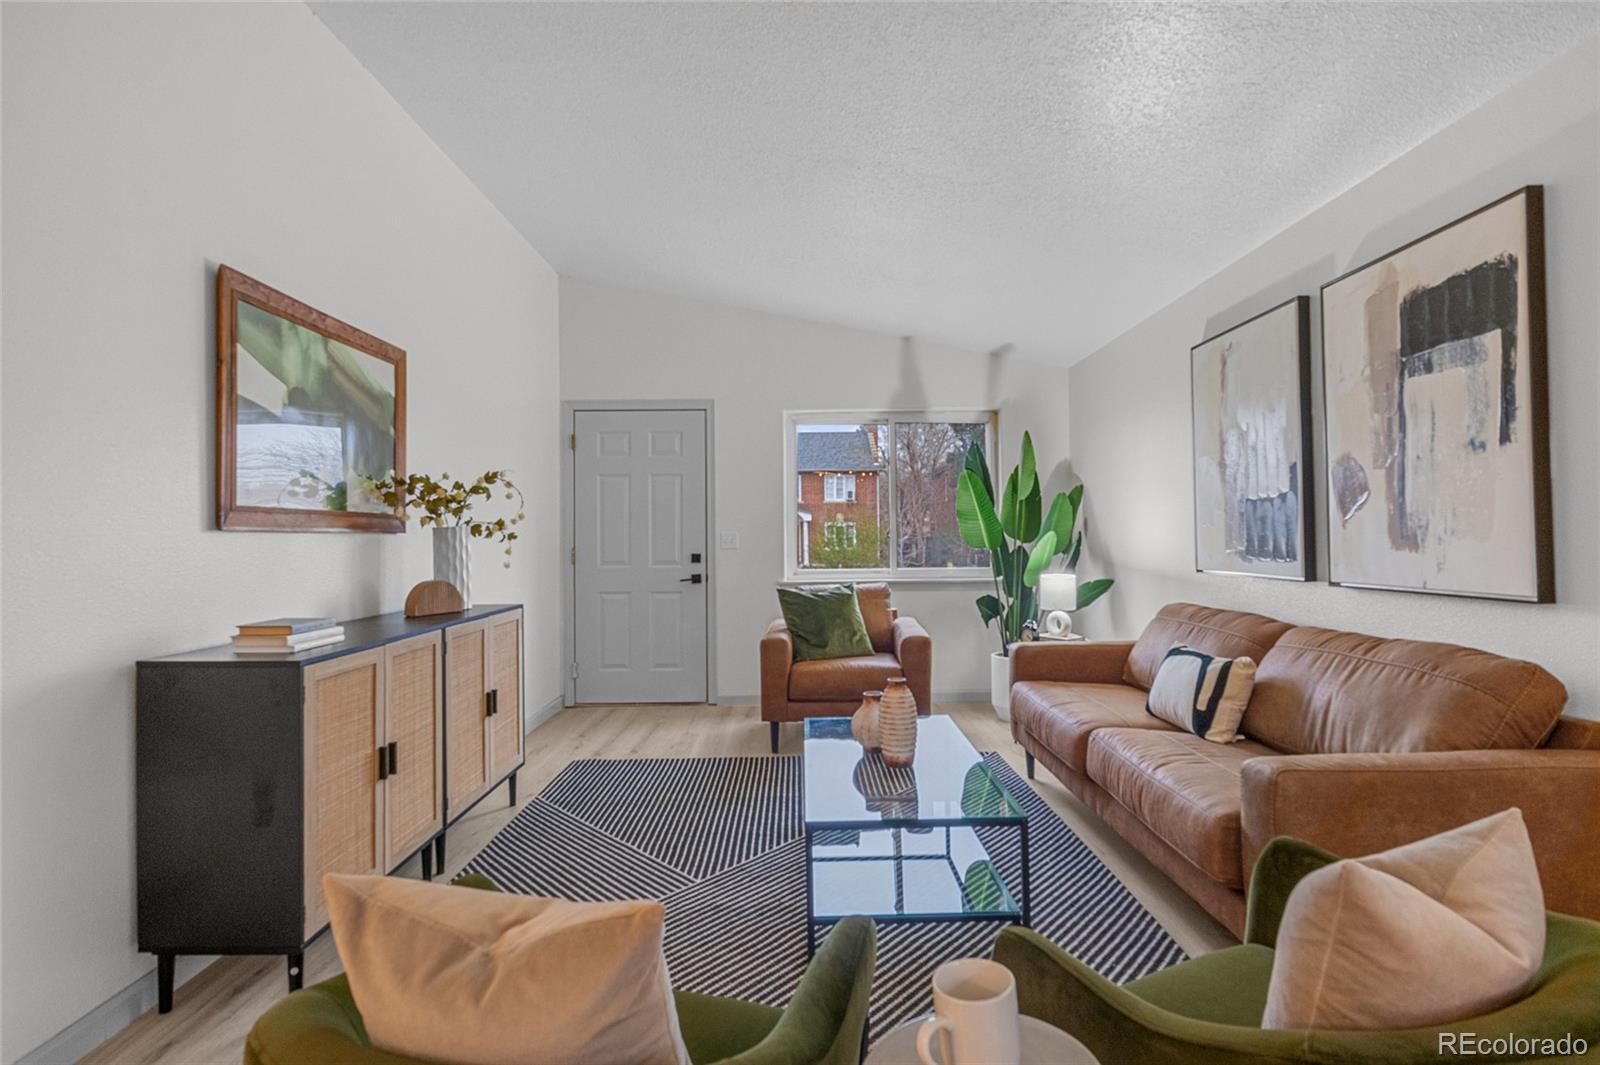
(1058, 594)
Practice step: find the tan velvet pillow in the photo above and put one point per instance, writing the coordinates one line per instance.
(1440, 930)
(451, 974)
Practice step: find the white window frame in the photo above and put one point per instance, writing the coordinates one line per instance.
(793, 573)
(831, 481)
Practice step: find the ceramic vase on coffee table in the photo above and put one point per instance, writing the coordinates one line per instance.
(864, 725)
(897, 723)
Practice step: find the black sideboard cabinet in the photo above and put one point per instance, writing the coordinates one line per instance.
(258, 774)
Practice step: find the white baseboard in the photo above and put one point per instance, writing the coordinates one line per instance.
(545, 713)
(77, 1039)
(981, 696)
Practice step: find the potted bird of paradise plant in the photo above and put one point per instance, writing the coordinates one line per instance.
(1023, 540)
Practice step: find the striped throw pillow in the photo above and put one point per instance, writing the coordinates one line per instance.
(1202, 693)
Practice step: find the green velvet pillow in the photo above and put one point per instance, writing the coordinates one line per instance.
(825, 623)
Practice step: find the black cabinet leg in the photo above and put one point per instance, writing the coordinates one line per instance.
(1030, 764)
(165, 965)
(296, 971)
(511, 788)
(774, 737)
(438, 852)
(427, 861)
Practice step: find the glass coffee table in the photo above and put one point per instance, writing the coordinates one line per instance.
(900, 844)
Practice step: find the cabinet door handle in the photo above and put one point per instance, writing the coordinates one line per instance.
(492, 702)
(383, 763)
(394, 757)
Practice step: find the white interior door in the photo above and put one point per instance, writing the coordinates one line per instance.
(639, 573)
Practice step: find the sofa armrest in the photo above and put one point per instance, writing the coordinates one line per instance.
(1355, 804)
(914, 649)
(777, 656)
(1087, 663)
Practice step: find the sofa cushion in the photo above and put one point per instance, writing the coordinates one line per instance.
(876, 613)
(824, 623)
(1321, 691)
(874, 601)
(1433, 932)
(441, 973)
(1224, 633)
(1182, 788)
(1062, 715)
(835, 679)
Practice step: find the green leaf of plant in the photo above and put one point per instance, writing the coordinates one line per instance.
(1077, 550)
(1032, 504)
(988, 608)
(1028, 469)
(1011, 509)
(1042, 553)
(975, 516)
(980, 468)
(1089, 591)
(1062, 518)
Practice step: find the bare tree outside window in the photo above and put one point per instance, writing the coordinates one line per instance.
(928, 462)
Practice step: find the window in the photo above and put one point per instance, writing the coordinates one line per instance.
(875, 494)
(840, 534)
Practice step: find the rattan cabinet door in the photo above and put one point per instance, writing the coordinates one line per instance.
(466, 726)
(414, 800)
(505, 662)
(344, 700)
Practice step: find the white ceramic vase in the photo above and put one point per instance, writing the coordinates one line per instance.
(1000, 685)
(897, 723)
(452, 559)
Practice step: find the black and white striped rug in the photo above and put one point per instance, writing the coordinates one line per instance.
(719, 840)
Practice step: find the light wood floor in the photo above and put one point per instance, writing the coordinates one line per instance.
(214, 1010)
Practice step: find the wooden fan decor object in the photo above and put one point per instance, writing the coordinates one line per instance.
(434, 597)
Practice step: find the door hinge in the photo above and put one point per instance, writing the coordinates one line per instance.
(574, 670)
(572, 441)
(574, 557)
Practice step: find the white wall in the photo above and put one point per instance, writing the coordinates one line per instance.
(144, 144)
(624, 344)
(1130, 400)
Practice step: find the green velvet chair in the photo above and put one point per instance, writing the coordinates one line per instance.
(824, 1024)
(1207, 1011)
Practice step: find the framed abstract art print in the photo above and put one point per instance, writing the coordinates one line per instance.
(1434, 387)
(1250, 390)
(310, 412)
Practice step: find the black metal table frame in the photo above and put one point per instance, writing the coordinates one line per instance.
(1024, 903)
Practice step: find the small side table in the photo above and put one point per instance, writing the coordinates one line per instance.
(1041, 1043)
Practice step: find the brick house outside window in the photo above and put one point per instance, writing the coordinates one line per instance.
(838, 473)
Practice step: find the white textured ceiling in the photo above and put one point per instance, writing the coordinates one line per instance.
(1039, 175)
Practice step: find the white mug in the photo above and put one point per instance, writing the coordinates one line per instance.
(975, 1008)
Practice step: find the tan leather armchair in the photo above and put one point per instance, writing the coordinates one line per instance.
(794, 691)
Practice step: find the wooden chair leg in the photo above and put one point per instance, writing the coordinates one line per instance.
(774, 737)
(1029, 755)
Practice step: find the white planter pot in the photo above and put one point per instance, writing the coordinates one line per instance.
(1000, 685)
(452, 559)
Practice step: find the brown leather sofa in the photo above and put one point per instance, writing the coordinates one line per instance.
(832, 687)
(1353, 743)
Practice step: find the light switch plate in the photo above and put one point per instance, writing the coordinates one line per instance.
(728, 541)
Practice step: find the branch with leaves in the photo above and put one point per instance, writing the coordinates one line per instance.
(449, 504)
(1021, 543)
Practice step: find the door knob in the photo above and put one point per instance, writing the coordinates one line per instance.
(696, 579)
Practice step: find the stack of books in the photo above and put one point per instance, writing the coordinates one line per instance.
(286, 636)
